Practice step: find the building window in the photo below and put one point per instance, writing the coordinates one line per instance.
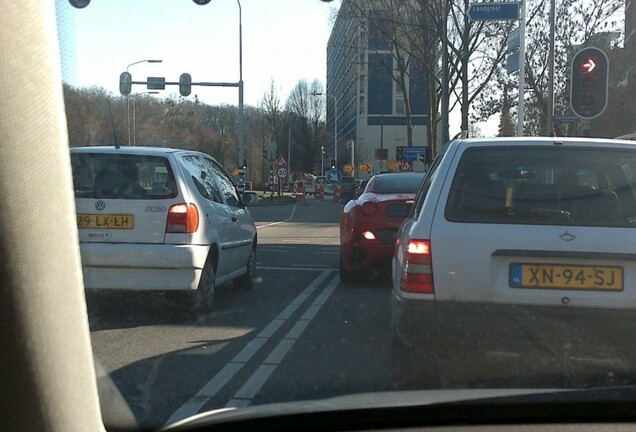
(399, 102)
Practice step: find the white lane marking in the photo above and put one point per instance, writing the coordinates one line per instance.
(253, 385)
(212, 387)
(255, 382)
(249, 350)
(294, 241)
(297, 329)
(193, 406)
(291, 216)
(279, 353)
(298, 267)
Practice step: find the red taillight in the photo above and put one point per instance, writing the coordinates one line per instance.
(417, 274)
(183, 219)
(369, 208)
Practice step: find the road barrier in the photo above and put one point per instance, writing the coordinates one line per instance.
(320, 193)
(299, 192)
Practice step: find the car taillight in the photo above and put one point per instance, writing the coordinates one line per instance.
(369, 208)
(417, 272)
(183, 219)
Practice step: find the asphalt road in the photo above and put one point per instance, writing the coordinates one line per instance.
(300, 334)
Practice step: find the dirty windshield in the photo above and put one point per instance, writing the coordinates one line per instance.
(227, 262)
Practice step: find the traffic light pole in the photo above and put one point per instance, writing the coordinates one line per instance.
(550, 113)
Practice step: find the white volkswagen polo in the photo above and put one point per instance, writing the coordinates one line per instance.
(160, 219)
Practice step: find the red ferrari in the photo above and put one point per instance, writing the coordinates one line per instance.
(369, 223)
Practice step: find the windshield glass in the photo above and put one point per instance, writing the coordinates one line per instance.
(240, 269)
(579, 186)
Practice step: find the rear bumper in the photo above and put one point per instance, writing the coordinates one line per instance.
(365, 256)
(142, 266)
(418, 323)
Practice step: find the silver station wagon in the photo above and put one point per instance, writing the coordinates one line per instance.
(504, 231)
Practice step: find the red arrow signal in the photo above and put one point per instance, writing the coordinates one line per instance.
(589, 65)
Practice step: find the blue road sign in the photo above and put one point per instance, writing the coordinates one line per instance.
(411, 153)
(512, 62)
(566, 118)
(334, 176)
(495, 11)
(414, 150)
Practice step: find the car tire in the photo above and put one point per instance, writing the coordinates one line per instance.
(246, 281)
(204, 297)
(413, 368)
(345, 275)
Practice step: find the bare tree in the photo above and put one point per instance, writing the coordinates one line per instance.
(579, 23)
(458, 57)
(304, 118)
(273, 110)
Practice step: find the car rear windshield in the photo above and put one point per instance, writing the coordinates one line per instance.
(545, 186)
(397, 183)
(119, 176)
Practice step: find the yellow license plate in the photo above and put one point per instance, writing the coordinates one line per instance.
(102, 221)
(574, 277)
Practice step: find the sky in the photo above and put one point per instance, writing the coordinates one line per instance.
(283, 41)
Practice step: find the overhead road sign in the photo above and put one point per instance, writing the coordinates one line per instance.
(411, 153)
(414, 150)
(494, 11)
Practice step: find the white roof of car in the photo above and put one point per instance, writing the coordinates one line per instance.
(130, 150)
(542, 140)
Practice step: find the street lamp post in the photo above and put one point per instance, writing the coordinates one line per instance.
(134, 120)
(241, 136)
(241, 114)
(127, 96)
(335, 123)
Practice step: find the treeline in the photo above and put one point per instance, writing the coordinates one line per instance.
(97, 117)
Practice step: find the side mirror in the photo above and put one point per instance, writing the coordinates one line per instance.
(249, 198)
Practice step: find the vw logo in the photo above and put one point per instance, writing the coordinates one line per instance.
(566, 236)
(100, 205)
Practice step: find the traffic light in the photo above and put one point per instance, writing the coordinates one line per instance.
(589, 83)
(333, 164)
(185, 84)
(399, 153)
(125, 83)
(244, 166)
